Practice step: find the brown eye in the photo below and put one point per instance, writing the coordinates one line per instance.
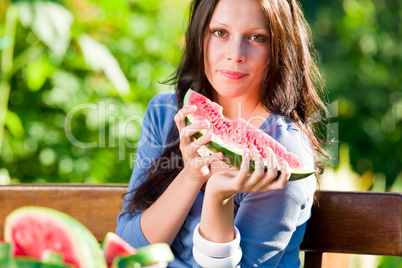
(219, 33)
(258, 38)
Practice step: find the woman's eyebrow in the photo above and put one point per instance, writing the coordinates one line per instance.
(220, 23)
(256, 28)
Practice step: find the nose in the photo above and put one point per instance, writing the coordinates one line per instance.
(236, 50)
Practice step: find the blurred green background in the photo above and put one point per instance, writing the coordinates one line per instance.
(77, 75)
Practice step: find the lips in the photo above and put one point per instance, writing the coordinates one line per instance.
(232, 74)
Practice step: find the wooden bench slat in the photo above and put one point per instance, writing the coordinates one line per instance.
(356, 222)
(95, 206)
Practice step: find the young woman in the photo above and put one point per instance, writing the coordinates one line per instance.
(253, 57)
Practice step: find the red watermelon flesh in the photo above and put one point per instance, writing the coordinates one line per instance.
(113, 246)
(33, 237)
(34, 230)
(232, 136)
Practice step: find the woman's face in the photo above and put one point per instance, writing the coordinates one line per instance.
(236, 48)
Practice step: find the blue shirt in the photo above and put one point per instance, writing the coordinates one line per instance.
(271, 224)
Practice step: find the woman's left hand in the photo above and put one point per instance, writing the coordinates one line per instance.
(224, 185)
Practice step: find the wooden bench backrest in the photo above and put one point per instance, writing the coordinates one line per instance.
(344, 222)
(352, 222)
(95, 206)
(360, 223)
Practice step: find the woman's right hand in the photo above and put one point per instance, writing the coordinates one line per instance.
(224, 185)
(193, 162)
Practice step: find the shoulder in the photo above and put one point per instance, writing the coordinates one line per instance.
(290, 136)
(278, 125)
(162, 107)
(164, 98)
(158, 120)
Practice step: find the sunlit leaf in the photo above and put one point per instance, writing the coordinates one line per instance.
(380, 182)
(47, 157)
(6, 42)
(390, 262)
(14, 125)
(37, 73)
(51, 22)
(99, 58)
(4, 177)
(397, 185)
(55, 1)
(65, 91)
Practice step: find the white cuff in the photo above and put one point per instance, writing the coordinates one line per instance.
(216, 250)
(211, 254)
(211, 262)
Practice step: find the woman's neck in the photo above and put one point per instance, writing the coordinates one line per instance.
(248, 107)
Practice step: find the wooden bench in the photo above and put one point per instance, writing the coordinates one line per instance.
(341, 222)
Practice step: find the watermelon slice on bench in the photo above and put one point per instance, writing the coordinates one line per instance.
(113, 246)
(35, 230)
(154, 255)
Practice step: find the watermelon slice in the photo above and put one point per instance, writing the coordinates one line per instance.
(154, 255)
(33, 230)
(113, 246)
(231, 137)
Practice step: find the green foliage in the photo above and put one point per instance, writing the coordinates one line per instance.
(360, 48)
(81, 75)
(394, 262)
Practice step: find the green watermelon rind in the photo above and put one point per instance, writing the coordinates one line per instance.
(84, 241)
(5, 251)
(147, 255)
(234, 157)
(52, 257)
(7, 261)
(30, 263)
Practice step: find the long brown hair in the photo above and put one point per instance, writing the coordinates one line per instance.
(290, 86)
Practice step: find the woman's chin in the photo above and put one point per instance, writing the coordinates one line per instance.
(232, 91)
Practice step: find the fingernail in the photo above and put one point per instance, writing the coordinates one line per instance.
(252, 152)
(208, 134)
(204, 124)
(246, 151)
(192, 108)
